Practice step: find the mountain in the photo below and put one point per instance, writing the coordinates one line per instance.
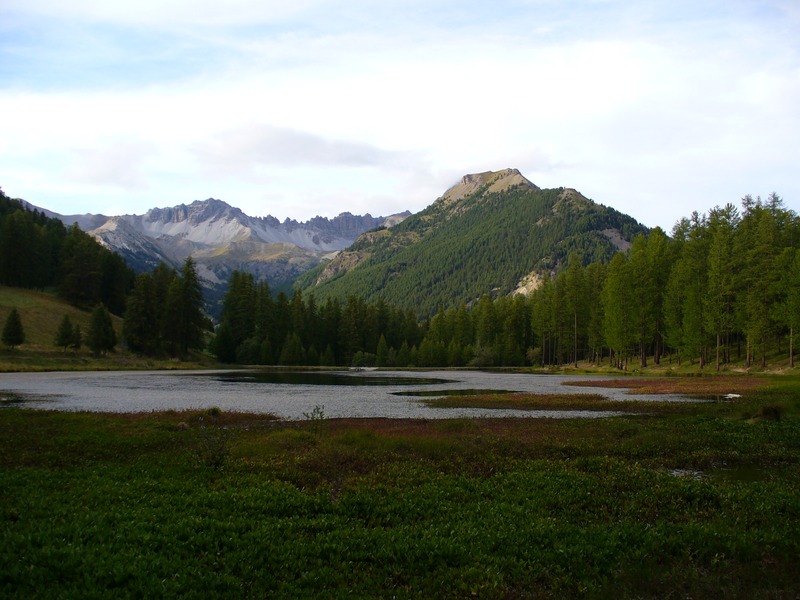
(222, 238)
(491, 233)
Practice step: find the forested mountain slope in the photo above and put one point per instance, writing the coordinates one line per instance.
(40, 252)
(483, 236)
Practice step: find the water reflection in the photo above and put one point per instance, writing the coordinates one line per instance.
(360, 378)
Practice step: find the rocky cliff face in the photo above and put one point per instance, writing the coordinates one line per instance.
(491, 181)
(222, 238)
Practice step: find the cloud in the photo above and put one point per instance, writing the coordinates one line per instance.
(117, 163)
(326, 102)
(246, 149)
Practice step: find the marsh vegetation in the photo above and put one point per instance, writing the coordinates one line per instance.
(693, 499)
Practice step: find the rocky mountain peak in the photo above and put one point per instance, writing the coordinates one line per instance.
(497, 181)
(198, 211)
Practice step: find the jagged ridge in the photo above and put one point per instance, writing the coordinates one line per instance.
(222, 238)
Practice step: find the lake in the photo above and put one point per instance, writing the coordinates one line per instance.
(289, 394)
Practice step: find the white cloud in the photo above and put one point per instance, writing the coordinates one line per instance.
(243, 149)
(116, 163)
(321, 106)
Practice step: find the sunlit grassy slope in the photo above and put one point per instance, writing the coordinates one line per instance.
(41, 314)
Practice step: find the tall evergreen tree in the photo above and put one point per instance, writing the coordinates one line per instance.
(184, 319)
(81, 269)
(64, 334)
(762, 282)
(619, 299)
(141, 329)
(575, 305)
(595, 280)
(13, 332)
(101, 337)
(240, 313)
(719, 301)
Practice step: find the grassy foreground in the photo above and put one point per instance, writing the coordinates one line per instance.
(697, 502)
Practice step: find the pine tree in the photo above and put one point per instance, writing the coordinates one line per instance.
(81, 269)
(101, 337)
(141, 327)
(192, 295)
(183, 312)
(382, 353)
(293, 352)
(64, 334)
(239, 307)
(223, 346)
(13, 332)
(327, 359)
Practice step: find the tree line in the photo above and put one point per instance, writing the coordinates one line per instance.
(39, 252)
(165, 312)
(724, 286)
(257, 328)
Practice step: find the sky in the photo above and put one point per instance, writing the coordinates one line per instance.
(315, 107)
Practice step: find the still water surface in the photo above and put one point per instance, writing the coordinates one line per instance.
(289, 395)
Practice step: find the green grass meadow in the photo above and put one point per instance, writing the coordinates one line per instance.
(702, 502)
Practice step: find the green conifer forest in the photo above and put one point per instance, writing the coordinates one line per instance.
(724, 286)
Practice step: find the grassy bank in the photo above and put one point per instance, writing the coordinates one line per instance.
(698, 502)
(41, 314)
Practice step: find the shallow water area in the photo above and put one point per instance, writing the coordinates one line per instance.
(292, 394)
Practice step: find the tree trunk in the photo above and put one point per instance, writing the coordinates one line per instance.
(576, 340)
(749, 355)
(657, 356)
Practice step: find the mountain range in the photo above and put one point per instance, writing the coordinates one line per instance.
(494, 232)
(221, 238)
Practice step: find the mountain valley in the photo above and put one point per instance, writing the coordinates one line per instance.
(490, 233)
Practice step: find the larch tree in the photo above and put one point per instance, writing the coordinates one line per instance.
(719, 300)
(619, 299)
